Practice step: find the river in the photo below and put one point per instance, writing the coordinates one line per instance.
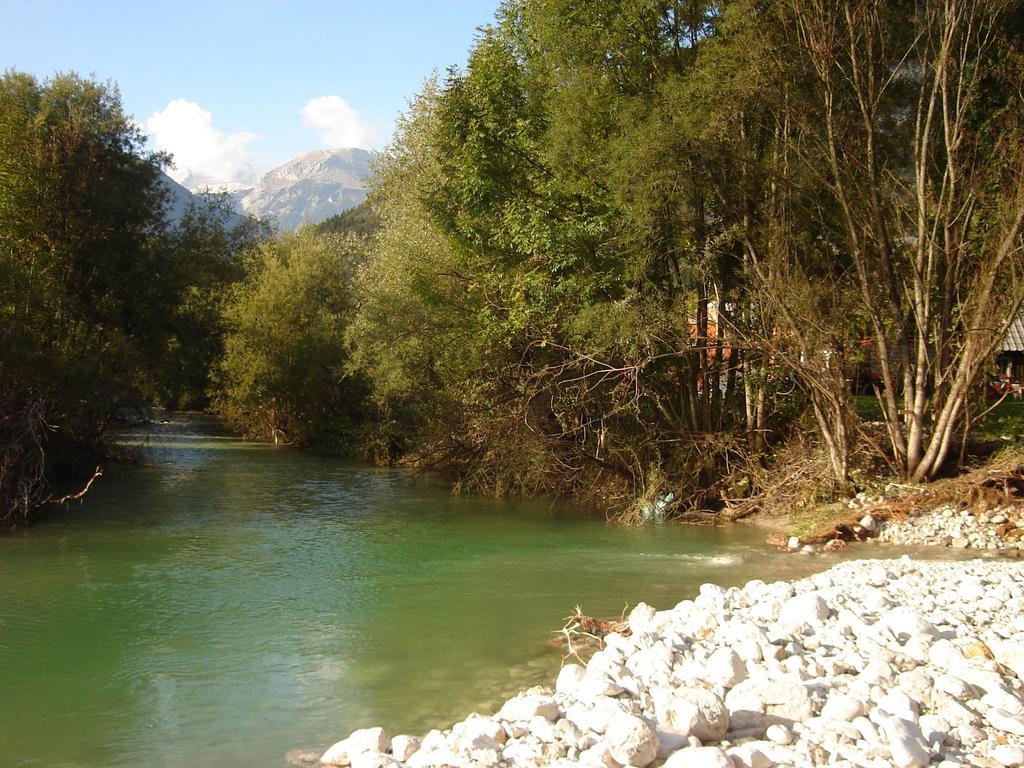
(231, 601)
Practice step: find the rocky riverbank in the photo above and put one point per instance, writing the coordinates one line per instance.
(957, 526)
(870, 663)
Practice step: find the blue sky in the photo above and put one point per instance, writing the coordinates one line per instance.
(234, 88)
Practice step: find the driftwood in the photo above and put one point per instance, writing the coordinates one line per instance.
(585, 634)
(981, 490)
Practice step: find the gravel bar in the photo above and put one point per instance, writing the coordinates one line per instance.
(869, 663)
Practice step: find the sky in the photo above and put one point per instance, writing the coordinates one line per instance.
(235, 87)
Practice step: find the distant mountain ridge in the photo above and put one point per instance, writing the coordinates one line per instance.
(307, 190)
(180, 199)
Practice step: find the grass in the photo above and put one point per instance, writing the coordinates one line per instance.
(1005, 422)
(867, 407)
(813, 518)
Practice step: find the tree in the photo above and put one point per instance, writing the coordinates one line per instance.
(82, 261)
(557, 256)
(206, 249)
(915, 117)
(282, 374)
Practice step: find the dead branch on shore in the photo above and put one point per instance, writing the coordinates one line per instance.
(582, 633)
(1000, 484)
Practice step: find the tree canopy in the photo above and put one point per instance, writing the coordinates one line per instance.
(96, 285)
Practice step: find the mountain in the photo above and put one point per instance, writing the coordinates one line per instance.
(306, 190)
(179, 199)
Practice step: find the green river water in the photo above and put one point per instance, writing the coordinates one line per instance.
(232, 601)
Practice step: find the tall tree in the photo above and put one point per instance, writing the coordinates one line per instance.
(915, 119)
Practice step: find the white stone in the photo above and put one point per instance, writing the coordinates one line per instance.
(866, 729)
(468, 734)
(631, 740)
(779, 734)
(569, 678)
(711, 595)
(975, 673)
(699, 757)
(968, 734)
(567, 732)
(906, 743)
(359, 741)
(1008, 754)
(878, 576)
(1005, 701)
(336, 754)
(917, 683)
(652, 665)
(485, 755)
(641, 618)
(934, 728)
(373, 760)
(1011, 654)
(897, 703)
(971, 590)
(749, 755)
(521, 753)
(840, 706)
(693, 711)
(954, 712)
(542, 730)
(954, 686)
(944, 654)
(599, 685)
(760, 702)
(595, 755)
(904, 621)
(878, 672)
(802, 609)
(594, 718)
(1004, 721)
(725, 668)
(603, 673)
(619, 643)
(748, 649)
(404, 747)
(434, 739)
(528, 706)
(875, 600)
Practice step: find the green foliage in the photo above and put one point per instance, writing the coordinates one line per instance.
(617, 254)
(82, 258)
(607, 255)
(361, 220)
(206, 250)
(529, 309)
(282, 374)
(102, 305)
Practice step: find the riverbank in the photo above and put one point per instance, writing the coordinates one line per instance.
(869, 663)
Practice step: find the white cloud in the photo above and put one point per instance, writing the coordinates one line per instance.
(202, 154)
(339, 124)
